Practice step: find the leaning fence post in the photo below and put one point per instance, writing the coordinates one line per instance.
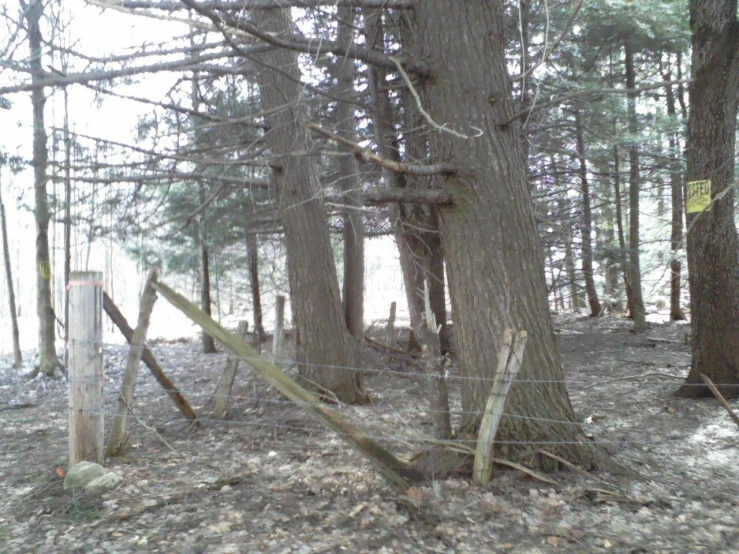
(509, 363)
(117, 438)
(85, 350)
(279, 325)
(223, 390)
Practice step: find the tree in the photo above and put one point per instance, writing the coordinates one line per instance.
(353, 286)
(712, 243)
(17, 354)
(48, 361)
(327, 353)
(495, 261)
(637, 310)
(587, 222)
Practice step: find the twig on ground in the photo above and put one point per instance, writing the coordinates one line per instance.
(629, 377)
(160, 437)
(720, 398)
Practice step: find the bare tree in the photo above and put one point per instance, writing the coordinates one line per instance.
(49, 363)
(17, 354)
(328, 354)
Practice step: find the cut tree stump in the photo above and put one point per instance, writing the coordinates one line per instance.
(509, 363)
(223, 390)
(147, 356)
(117, 440)
(391, 467)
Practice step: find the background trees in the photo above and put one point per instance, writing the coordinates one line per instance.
(546, 174)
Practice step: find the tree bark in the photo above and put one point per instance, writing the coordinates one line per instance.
(17, 355)
(676, 232)
(490, 238)
(252, 251)
(353, 286)
(209, 345)
(623, 256)
(712, 243)
(638, 312)
(48, 360)
(587, 222)
(328, 355)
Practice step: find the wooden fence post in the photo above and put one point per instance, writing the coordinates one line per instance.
(223, 390)
(279, 325)
(390, 336)
(85, 347)
(117, 440)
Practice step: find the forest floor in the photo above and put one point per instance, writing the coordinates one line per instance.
(269, 479)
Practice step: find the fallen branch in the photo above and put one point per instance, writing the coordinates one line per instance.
(391, 467)
(720, 398)
(17, 407)
(379, 346)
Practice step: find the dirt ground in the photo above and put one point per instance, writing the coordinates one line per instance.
(271, 480)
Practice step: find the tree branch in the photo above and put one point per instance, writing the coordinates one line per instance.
(306, 45)
(588, 92)
(173, 176)
(366, 156)
(407, 196)
(244, 5)
(50, 80)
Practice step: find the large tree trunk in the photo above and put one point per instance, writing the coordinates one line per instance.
(712, 245)
(328, 355)
(638, 312)
(495, 260)
(676, 234)
(17, 355)
(209, 345)
(252, 252)
(48, 360)
(353, 289)
(587, 222)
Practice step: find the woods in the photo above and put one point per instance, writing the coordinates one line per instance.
(489, 169)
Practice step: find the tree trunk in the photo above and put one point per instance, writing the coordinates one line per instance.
(252, 252)
(353, 288)
(712, 243)
(209, 345)
(587, 223)
(328, 355)
(676, 234)
(489, 234)
(606, 228)
(67, 218)
(421, 223)
(637, 302)
(623, 256)
(17, 355)
(48, 360)
(414, 278)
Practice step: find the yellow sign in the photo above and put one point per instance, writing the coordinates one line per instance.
(698, 196)
(45, 269)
